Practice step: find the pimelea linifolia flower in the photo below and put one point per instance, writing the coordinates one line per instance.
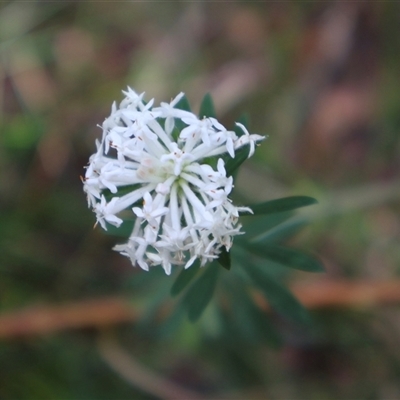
(152, 162)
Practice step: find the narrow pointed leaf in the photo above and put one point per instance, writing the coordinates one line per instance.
(207, 108)
(281, 232)
(281, 205)
(286, 256)
(183, 279)
(249, 322)
(225, 259)
(153, 306)
(201, 292)
(280, 298)
(255, 227)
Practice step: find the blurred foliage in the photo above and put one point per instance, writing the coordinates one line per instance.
(320, 79)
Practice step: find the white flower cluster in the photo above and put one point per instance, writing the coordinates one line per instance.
(146, 165)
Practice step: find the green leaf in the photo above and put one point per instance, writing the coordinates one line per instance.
(225, 259)
(277, 295)
(201, 292)
(184, 278)
(153, 305)
(282, 231)
(255, 227)
(207, 107)
(281, 205)
(249, 321)
(183, 104)
(285, 256)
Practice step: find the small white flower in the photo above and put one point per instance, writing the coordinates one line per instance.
(152, 210)
(247, 139)
(144, 166)
(105, 212)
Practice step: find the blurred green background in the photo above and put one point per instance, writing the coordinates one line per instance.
(321, 79)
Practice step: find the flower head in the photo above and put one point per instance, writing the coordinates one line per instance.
(144, 164)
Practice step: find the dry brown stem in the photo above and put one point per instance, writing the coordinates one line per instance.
(85, 314)
(319, 294)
